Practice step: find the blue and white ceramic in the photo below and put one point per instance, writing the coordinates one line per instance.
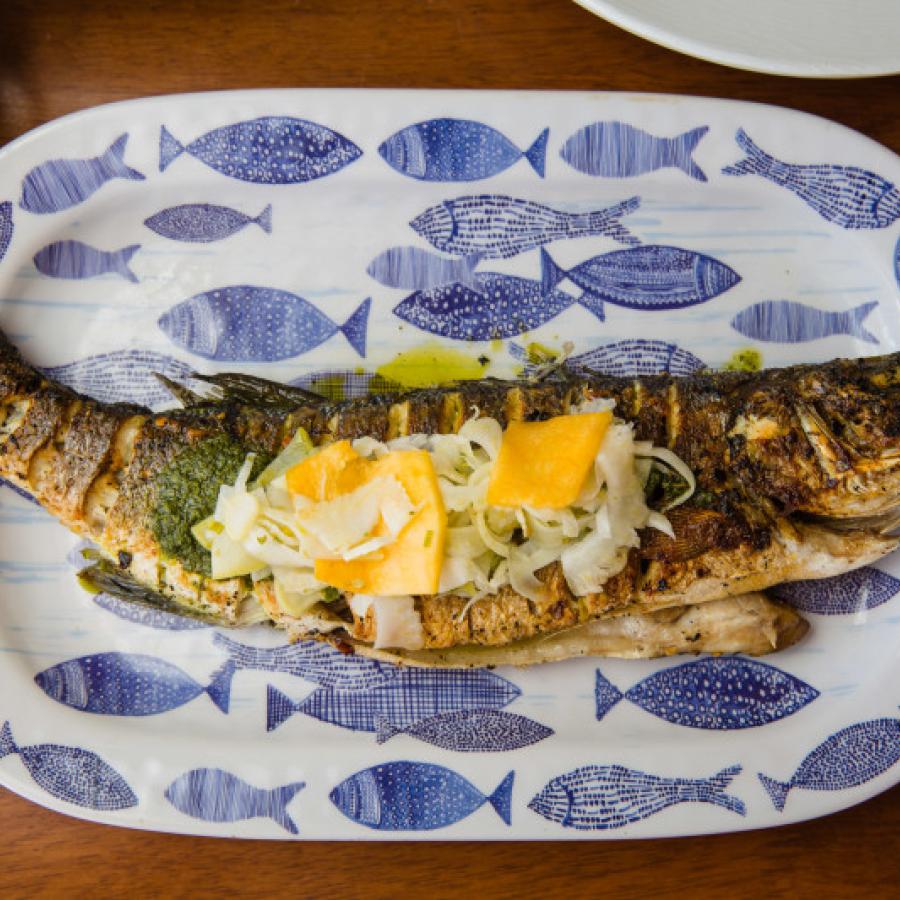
(314, 237)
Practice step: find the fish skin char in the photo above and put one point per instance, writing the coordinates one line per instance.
(766, 449)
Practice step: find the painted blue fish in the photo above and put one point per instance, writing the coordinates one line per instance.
(500, 306)
(6, 227)
(412, 695)
(845, 195)
(123, 684)
(786, 322)
(470, 730)
(457, 150)
(633, 356)
(721, 693)
(619, 150)
(310, 660)
(848, 758)
(203, 223)
(650, 277)
(896, 261)
(415, 269)
(61, 183)
(72, 774)
(244, 323)
(122, 376)
(598, 798)
(267, 150)
(494, 226)
(842, 595)
(412, 796)
(215, 795)
(143, 615)
(72, 259)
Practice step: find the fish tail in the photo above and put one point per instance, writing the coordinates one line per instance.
(594, 304)
(354, 329)
(756, 162)
(688, 144)
(279, 798)
(7, 744)
(114, 160)
(714, 790)
(123, 257)
(501, 799)
(777, 790)
(854, 320)
(551, 273)
(170, 148)
(606, 695)
(606, 221)
(279, 708)
(385, 730)
(219, 687)
(536, 154)
(264, 219)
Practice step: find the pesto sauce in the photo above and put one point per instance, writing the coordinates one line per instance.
(186, 492)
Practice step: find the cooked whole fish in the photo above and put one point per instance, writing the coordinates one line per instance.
(798, 476)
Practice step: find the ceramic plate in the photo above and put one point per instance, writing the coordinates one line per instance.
(133, 236)
(809, 38)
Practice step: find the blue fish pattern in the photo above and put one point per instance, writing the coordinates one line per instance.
(72, 774)
(6, 227)
(494, 226)
(650, 277)
(628, 358)
(414, 796)
(244, 323)
(59, 184)
(215, 795)
(267, 150)
(310, 660)
(619, 150)
(146, 616)
(501, 306)
(787, 322)
(73, 259)
(847, 196)
(412, 695)
(599, 798)
(470, 731)
(124, 684)
(414, 269)
(852, 592)
(715, 693)
(896, 262)
(203, 223)
(457, 150)
(122, 376)
(848, 758)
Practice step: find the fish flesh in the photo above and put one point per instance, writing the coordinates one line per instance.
(73, 259)
(787, 322)
(797, 470)
(203, 223)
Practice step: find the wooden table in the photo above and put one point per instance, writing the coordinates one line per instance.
(54, 60)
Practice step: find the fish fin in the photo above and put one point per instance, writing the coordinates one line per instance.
(688, 142)
(777, 790)
(264, 219)
(606, 695)
(219, 687)
(279, 707)
(385, 730)
(716, 786)
(551, 273)
(855, 319)
(593, 303)
(170, 148)
(470, 263)
(7, 744)
(605, 221)
(114, 161)
(185, 396)
(279, 798)
(123, 257)
(354, 329)
(501, 799)
(756, 162)
(536, 154)
(255, 391)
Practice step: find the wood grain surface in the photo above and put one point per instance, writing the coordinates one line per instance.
(58, 56)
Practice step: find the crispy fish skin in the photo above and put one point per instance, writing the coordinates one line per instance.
(781, 458)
